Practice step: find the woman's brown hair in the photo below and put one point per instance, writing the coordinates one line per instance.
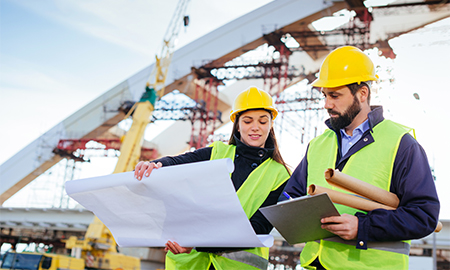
(271, 139)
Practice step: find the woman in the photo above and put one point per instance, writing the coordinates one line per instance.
(259, 178)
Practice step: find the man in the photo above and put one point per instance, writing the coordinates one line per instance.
(361, 143)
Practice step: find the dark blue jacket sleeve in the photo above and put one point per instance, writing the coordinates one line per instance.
(418, 210)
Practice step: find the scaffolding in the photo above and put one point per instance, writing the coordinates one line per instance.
(76, 149)
(300, 108)
(205, 115)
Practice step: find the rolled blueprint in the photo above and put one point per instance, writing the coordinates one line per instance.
(352, 184)
(353, 201)
(347, 199)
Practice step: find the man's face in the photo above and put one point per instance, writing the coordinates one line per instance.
(341, 105)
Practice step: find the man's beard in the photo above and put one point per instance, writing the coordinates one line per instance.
(345, 119)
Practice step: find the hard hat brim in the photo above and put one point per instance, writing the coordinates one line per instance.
(272, 110)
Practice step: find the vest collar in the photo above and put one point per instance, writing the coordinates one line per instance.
(252, 152)
(375, 116)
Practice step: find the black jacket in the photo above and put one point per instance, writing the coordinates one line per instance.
(246, 160)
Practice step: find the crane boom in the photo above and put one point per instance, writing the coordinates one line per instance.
(99, 241)
(158, 76)
(131, 146)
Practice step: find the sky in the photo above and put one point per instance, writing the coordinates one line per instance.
(58, 55)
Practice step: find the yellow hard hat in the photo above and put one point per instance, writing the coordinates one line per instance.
(253, 98)
(343, 66)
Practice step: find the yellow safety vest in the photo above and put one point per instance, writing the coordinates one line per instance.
(372, 164)
(267, 177)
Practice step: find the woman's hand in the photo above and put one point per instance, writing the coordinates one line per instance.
(145, 167)
(176, 249)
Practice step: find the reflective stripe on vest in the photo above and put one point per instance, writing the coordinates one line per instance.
(396, 247)
(372, 164)
(247, 258)
(267, 177)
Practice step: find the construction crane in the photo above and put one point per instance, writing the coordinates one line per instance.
(98, 249)
(131, 146)
(99, 240)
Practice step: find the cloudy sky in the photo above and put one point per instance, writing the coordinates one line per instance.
(58, 55)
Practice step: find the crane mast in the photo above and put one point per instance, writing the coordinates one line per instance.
(99, 242)
(162, 62)
(130, 149)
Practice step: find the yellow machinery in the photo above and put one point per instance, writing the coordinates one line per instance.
(40, 261)
(99, 251)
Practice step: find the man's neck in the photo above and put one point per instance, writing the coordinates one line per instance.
(359, 119)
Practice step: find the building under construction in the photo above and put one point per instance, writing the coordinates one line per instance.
(279, 50)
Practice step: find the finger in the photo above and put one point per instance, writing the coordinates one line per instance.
(144, 166)
(343, 230)
(182, 249)
(179, 248)
(137, 168)
(172, 247)
(150, 168)
(147, 169)
(169, 248)
(344, 234)
(331, 227)
(332, 219)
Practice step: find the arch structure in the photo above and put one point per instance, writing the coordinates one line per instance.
(96, 119)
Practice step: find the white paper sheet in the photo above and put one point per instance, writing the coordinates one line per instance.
(193, 204)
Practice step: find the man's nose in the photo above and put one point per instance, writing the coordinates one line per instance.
(328, 104)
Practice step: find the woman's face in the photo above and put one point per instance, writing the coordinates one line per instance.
(254, 127)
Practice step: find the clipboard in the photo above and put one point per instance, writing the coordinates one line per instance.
(298, 220)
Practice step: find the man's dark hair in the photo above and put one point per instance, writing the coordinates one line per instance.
(354, 87)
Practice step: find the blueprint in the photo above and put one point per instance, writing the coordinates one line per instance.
(192, 204)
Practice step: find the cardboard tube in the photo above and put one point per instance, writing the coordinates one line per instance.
(438, 227)
(354, 201)
(347, 199)
(352, 184)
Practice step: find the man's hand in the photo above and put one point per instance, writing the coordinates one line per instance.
(344, 226)
(176, 248)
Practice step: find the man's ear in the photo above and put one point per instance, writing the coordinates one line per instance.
(363, 93)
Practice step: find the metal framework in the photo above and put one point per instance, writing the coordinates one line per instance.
(205, 116)
(76, 148)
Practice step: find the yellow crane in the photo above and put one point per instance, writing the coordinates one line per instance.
(130, 149)
(131, 145)
(98, 249)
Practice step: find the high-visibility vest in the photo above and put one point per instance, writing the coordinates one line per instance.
(372, 164)
(267, 177)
